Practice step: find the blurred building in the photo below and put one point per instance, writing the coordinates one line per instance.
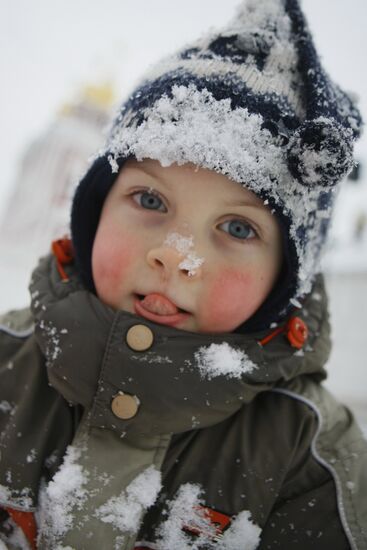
(39, 208)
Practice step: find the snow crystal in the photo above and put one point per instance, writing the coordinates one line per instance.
(64, 492)
(350, 485)
(195, 423)
(223, 360)
(14, 536)
(105, 479)
(113, 163)
(124, 511)
(185, 245)
(261, 19)
(242, 533)
(191, 264)
(21, 500)
(295, 303)
(185, 512)
(5, 407)
(52, 349)
(50, 460)
(4, 494)
(31, 457)
(119, 541)
(151, 357)
(179, 242)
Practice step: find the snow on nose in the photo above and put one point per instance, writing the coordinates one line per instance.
(185, 246)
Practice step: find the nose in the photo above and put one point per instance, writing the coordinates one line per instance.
(168, 261)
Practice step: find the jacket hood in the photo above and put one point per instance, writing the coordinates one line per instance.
(183, 381)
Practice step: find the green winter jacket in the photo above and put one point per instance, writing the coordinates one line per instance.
(120, 433)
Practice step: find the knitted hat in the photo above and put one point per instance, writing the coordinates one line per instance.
(252, 102)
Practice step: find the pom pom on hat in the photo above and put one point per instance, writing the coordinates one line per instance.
(320, 152)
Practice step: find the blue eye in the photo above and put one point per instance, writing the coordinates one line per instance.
(149, 200)
(239, 229)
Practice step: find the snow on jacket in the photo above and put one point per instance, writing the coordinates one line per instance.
(120, 433)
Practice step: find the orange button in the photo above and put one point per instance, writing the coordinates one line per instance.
(125, 406)
(296, 332)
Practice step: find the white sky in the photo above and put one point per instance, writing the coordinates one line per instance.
(49, 49)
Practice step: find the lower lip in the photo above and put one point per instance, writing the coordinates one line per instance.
(171, 320)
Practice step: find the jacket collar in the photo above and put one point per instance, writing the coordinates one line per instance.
(183, 380)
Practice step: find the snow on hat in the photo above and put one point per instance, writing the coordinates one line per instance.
(250, 101)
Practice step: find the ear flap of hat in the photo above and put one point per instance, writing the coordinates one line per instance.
(86, 211)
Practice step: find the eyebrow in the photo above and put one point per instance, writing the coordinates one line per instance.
(150, 173)
(142, 169)
(244, 203)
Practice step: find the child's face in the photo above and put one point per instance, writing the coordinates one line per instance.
(182, 238)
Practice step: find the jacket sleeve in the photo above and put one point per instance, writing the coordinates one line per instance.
(307, 518)
(31, 414)
(316, 506)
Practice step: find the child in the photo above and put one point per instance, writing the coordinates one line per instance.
(169, 396)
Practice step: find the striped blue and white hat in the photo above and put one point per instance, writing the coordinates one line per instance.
(250, 101)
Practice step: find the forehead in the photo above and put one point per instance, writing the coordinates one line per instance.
(190, 177)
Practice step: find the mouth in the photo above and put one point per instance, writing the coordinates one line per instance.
(159, 309)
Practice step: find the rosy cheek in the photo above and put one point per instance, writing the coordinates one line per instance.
(231, 298)
(113, 258)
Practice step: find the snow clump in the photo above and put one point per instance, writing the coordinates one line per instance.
(124, 512)
(185, 512)
(242, 533)
(185, 245)
(5, 407)
(64, 492)
(223, 360)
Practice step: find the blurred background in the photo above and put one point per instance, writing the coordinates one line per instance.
(66, 65)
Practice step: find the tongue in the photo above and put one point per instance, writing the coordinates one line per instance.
(156, 303)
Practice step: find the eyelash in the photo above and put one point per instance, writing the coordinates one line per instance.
(150, 192)
(155, 194)
(245, 224)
